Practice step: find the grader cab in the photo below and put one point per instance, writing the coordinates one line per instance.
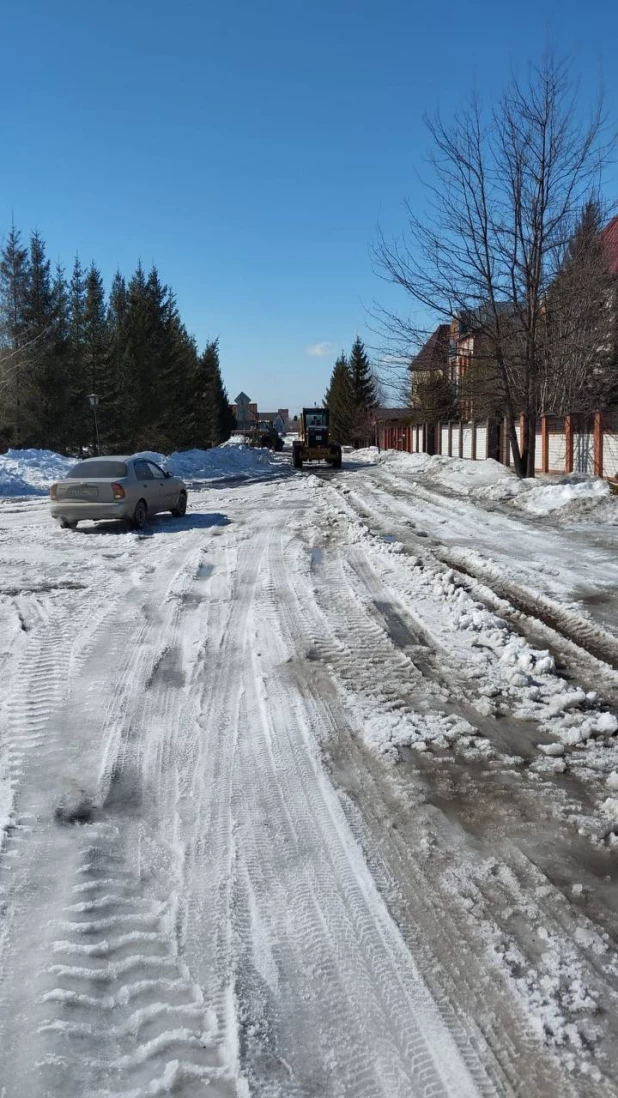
(313, 443)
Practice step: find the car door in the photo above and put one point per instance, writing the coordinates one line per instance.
(146, 486)
(160, 487)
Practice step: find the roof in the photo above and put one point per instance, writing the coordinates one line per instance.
(609, 243)
(382, 414)
(115, 457)
(434, 354)
(242, 398)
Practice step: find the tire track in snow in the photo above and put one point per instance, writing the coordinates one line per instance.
(106, 751)
(321, 955)
(493, 1036)
(563, 629)
(118, 984)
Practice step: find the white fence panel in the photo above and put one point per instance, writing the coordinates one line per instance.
(466, 450)
(455, 441)
(538, 453)
(481, 443)
(557, 452)
(444, 440)
(610, 454)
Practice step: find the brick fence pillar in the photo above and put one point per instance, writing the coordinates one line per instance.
(598, 444)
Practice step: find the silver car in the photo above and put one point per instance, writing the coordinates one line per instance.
(126, 488)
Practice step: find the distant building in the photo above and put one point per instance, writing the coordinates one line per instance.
(278, 419)
(245, 412)
(247, 416)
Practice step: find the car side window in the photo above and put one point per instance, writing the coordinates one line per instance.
(142, 470)
(155, 471)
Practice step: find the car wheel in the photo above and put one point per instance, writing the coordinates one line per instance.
(67, 524)
(140, 514)
(181, 507)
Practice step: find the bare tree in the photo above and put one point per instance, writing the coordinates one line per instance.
(507, 195)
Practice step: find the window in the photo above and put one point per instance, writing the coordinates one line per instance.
(142, 470)
(155, 470)
(99, 470)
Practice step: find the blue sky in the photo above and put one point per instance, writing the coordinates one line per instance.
(250, 149)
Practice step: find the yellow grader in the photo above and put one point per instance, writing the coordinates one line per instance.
(313, 443)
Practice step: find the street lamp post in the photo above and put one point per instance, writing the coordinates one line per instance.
(93, 400)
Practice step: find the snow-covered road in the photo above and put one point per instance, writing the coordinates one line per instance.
(214, 879)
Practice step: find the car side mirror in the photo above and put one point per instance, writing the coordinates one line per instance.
(167, 475)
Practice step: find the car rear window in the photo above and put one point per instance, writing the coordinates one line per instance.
(99, 470)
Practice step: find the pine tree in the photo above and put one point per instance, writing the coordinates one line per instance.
(61, 437)
(340, 400)
(96, 369)
(44, 392)
(136, 363)
(79, 414)
(60, 342)
(365, 394)
(363, 381)
(117, 416)
(216, 419)
(14, 275)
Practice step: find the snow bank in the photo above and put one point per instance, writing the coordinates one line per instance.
(30, 472)
(232, 460)
(491, 481)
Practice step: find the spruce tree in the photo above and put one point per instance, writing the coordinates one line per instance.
(140, 403)
(14, 272)
(62, 437)
(96, 370)
(216, 419)
(116, 426)
(340, 400)
(363, 381)
(365, 394)
(60, 342)
(80, 415)
(45, 393)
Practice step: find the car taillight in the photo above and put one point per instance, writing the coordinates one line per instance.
(53, 490)
(118, 491)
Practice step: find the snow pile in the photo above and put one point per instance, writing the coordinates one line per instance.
(234, 440)
(541, 497)
(30, 472)
(223, 462)
(489, 480)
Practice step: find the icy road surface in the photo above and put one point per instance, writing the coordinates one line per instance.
(291, 807)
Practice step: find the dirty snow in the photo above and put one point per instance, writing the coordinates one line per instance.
(491, 481)
(340, 818)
